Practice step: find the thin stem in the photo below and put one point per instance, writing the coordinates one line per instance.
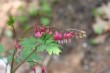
(35, 62)
(25, 59)
(14, 31)
(12, 63)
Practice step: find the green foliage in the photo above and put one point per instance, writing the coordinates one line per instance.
(98, 29)
(2, 49)
(93, 42)
(10, 55)
(34, 57)
(95, 12)
(45, 12)
(41, 48)
(33, 10)
(11, 20)
(46, 8)
(44, 20)
(28, 43)
(22, 19)
(53, 49)
(9, 58)
(28, 46)
(49, 45)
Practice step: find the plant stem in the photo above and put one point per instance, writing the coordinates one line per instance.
(12, 63)
(24, 60)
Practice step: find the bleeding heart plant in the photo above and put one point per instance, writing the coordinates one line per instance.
(46, 38)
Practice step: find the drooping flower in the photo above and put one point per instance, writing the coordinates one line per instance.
(58, 37)
(34, 69)
(67, 37)
(38, 34)
(43, 69)
(42, 29)
(36, 30)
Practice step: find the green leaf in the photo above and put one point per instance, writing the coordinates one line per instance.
(34, 57)
(44, 21)
(28, 43)
(9, 58)
(11, 20)
(46, 8)
(11, 51)
(53, 50)
(41, 48)
(98, 29)
(49, 41)
(2, 49)
(40, 41)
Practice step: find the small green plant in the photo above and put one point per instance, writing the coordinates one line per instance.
(46, 39)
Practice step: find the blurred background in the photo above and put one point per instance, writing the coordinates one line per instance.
(88, 55)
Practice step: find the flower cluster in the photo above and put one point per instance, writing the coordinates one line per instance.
(61, 38)
(40, 31)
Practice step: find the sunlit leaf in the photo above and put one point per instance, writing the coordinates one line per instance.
(11, 20)
(53, 50)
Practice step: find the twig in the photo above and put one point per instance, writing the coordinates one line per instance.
(12, 63)
(24, 60)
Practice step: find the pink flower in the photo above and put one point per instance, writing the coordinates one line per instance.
(57, 36)
(38, 34)
(42, 29)
(65, 35)
(33, 69)
(43, 69)
(69, 35)
(47, 30)
(60, 37)
(36, 30)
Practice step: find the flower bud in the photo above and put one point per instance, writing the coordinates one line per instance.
(43, 69)
(38, 34)
(42, 29)
(33, 69)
